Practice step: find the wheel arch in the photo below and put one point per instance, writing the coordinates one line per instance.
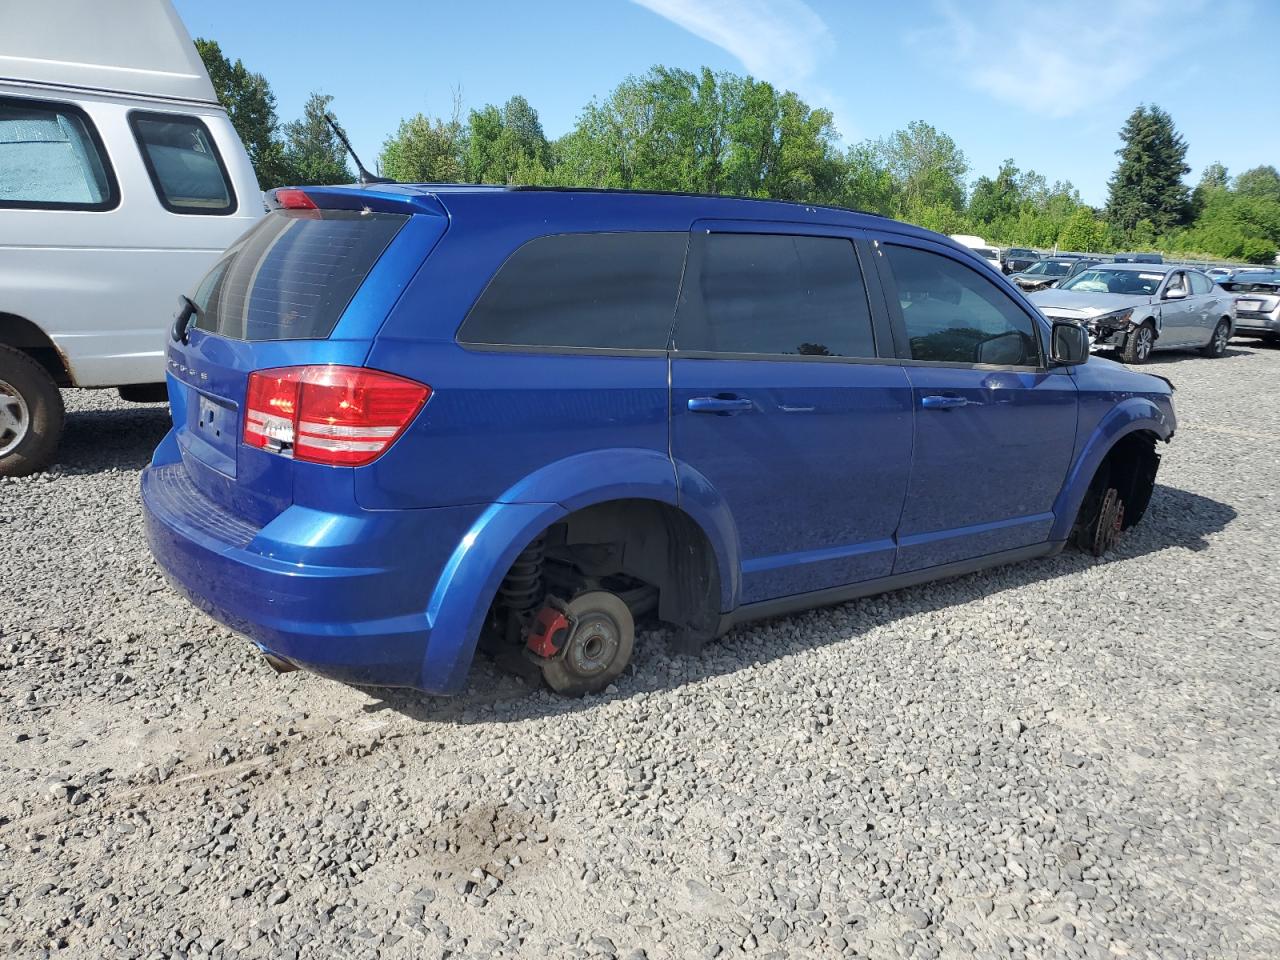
(469, 581)
(22, 334)
(1131, 418)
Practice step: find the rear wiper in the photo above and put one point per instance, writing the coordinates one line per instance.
(187, 308)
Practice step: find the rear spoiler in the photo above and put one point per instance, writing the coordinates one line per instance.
(383, 198)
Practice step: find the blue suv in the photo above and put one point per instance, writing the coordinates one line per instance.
(409, 420)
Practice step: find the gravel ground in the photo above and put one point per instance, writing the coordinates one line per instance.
(1067, 758)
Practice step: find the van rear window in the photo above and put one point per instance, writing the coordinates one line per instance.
(292, 275)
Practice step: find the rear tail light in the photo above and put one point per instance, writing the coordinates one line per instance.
(291, 198)
(342, 416)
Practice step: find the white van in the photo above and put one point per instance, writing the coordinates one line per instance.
(986, 251)
(121, 181)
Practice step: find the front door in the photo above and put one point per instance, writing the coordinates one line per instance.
(783, 408)
(994, 428)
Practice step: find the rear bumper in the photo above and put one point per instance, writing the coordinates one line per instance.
(360, 616)
(1256, 323)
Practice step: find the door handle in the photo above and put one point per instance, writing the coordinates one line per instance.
(943, 403)
(725, 406)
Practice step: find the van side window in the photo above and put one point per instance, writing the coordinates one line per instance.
(598, 290)
(51, 158)
(953, 314)
(185, 167)
(779, 295)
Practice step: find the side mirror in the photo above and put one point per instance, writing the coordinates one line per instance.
(1175, 293)
(1070, 344)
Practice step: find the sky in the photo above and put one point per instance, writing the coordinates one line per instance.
(1047, 84)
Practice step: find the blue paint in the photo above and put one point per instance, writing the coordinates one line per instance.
(805, 474)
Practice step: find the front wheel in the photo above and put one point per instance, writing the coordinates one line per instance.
(1139, 343)
(599, 648)
(1217, 345)
(30, 415)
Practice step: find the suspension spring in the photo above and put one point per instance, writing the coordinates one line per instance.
(522, 588)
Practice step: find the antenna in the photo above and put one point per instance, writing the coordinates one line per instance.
(366, 177)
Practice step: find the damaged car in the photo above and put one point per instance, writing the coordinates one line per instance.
(1138, 308)
(1050, 272)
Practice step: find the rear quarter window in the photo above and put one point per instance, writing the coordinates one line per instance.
(608, 291)
(184, 164)
(293, 274)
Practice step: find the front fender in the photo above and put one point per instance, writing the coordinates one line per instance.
(1128, 416)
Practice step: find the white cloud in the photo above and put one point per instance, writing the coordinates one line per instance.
(777, 40)
(1058, 58)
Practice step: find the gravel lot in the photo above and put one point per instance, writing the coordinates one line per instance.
(1067, 758)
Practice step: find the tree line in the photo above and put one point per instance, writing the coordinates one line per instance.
(719, 132)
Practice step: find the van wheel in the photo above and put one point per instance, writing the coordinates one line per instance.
(599, 649)
(30, 415)
(1139, 343)
(1217, 346)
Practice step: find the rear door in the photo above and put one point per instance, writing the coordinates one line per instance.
(994, 428)
(787, 403)
(306, 286)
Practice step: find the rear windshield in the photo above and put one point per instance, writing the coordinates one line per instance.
(292, 275)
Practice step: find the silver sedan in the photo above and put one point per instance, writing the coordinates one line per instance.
(1139, 308)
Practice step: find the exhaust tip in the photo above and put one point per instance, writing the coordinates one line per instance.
(278, 664)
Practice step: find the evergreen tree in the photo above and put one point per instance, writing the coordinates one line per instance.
(1147, 185)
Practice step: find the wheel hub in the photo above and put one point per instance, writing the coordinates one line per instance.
(593, 645)
(1144, 343)
(15, 418)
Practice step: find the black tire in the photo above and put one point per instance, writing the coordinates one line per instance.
(31, 415)
(599, 648)
(1139, 344)
(1101, 521)
(1217, 345)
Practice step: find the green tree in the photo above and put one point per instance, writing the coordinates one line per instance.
(927, 168)
(1263, 182)
(251, 106)
(1147, 184)
(425, 150)
(707, 132)
(312, 152)
(1082, 232)
(506, 145)
(1213, 179)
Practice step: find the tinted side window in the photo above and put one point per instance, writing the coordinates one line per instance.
(51, 158)
(185, 166)
(954, 314)
(1200, 283)
(773, 294)
(602, 290)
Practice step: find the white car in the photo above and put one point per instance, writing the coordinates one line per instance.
(121, 182)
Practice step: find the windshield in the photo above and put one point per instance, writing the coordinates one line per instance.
(1133, 283)
(986, 253)
(1049, 268)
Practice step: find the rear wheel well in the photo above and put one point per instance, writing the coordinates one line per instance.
(1130, 466)
(21, 334)
(624, 546)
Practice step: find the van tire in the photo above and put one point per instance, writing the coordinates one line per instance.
(32, 415)
(599, 648)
